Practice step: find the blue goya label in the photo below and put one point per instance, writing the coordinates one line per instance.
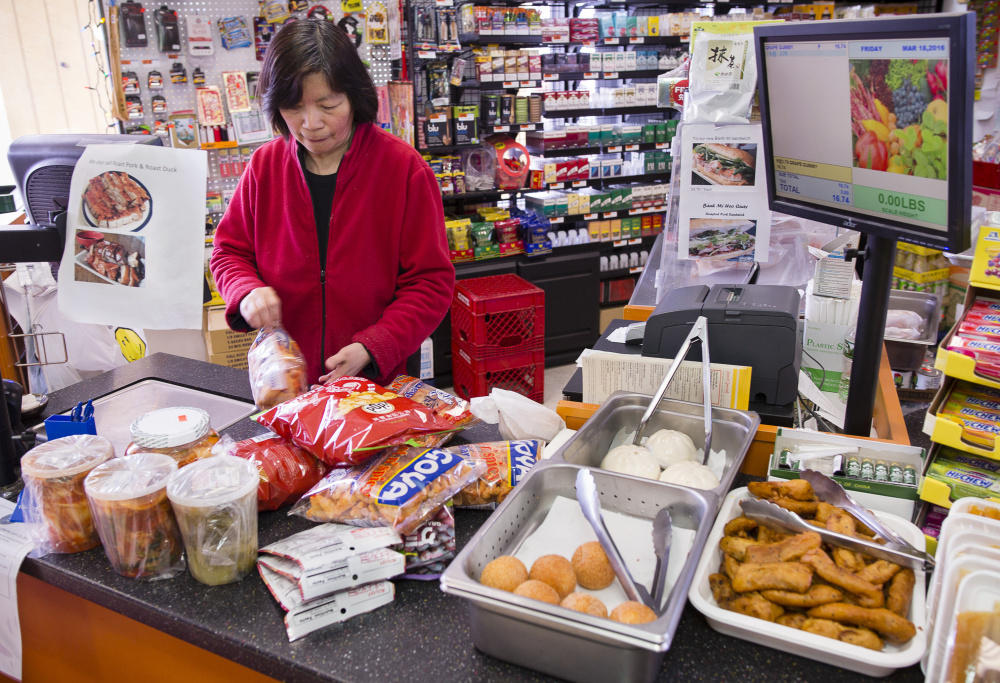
(507, 461)
(415, 476)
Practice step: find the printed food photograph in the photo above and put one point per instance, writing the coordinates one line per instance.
(718, 164)
(110, 259)
(899, 116)
(724, 239)
(115, 200)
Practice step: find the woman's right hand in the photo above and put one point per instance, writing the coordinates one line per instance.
(261, 307)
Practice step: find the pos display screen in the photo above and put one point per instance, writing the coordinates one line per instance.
(868, 124)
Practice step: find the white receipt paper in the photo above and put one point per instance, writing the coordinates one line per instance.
(14, 545)
(565, 529)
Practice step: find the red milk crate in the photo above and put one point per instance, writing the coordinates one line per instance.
(498, 315)
(523, 373)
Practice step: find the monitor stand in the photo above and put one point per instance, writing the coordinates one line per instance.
(872, 310)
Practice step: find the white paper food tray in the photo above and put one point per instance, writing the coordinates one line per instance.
(809, 645)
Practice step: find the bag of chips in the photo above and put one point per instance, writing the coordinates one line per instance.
(351, 418)
(286, 471)
(507, 463)
(277, 368)
(445, 405)
(402, 487)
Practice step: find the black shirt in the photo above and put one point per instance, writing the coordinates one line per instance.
(321, 189)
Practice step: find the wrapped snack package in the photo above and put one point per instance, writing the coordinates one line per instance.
(215, 501)
(349, 419)
(286, 471)
(182, 433)
(445, 405)
(55, 504)
(277, 368)
(128, 497)
(507, 463)
(430, 548)
(401, 488)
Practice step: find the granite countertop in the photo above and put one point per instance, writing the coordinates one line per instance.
(424, 634)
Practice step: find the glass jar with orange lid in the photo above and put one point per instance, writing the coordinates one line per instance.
(182, 433)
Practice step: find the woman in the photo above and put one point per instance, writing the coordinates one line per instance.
(336, 229)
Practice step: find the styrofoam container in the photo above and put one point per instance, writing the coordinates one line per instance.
(809, 645)
(977, 592)
(940, 620)
(965, 506)
(966, 544)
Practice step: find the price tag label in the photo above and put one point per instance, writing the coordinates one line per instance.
(617, 148)
(557, 186)
(551, 77)
(528, 126)
(631, 148)
(590, 75)
(662, 145)
(444, 3)
(424, 54)
(501, 129)
(633, 271)
(527, 84)
(635, 212)
(557, 219)
(610, 74)
(590, 217)
(613, 214)
(579, 183)
(587, 43)
(620, 243)
(610, 41)
(637, 41)
(637, 240)
(510, 84)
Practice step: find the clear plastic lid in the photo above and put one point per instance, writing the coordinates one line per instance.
(130, 476)
(213, 481)
(169, 427)
(66, 456)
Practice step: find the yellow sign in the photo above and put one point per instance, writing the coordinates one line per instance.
(840, 174)
(351, 6)
(132, 345)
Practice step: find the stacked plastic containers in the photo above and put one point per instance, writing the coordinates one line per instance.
(497, 337)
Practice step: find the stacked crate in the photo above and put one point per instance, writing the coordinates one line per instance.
(498, 337)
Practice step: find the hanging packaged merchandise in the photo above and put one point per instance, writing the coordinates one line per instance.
(136, 129)
(160, 128)
(723, 73)
(377, 28)
(457, 69)
(199, 38)
(168, 35)
(252, 77)
(198, 76)
(133, 24)
(274, 11)
(235, 32)
(480, 165)
(210, 111)
(672, 87)
(178, 74)
(512, 162)
(130, 83)
(154, 80)
(297, 5)
(447, 30)
(319, 13)
(352, 27)
(263, 32)
(133, 107)
(438, 89)
(437, 128)
(237, 92)
(424, 23)
(465, 124)
(158, 104)
(183, 130)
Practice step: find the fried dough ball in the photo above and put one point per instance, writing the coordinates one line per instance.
(506, 573)
(586, 603)
(556, 571)
(536, 590)
(593, 570)
(632, 612)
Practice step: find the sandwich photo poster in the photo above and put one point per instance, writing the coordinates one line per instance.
(723, 213)
(135, 237)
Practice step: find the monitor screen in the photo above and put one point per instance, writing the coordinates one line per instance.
(868, 124)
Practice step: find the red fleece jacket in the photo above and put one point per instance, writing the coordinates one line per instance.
(386, 280)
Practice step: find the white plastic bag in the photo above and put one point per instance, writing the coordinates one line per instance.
(519, 417)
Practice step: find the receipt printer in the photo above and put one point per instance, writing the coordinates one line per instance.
(753, 325)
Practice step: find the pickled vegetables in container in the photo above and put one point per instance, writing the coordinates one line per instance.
(182, 433)
(128, 497)
(55, 503)
(215, 501)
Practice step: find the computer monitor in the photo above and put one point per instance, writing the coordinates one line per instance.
(868, 124)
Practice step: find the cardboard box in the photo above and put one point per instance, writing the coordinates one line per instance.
(219, 338)
(232, 359)
(609, 314)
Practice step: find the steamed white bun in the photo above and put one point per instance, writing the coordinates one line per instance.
(669, 446)
(634, 460)
(691, 474)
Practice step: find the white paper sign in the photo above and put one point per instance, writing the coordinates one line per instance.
(135, 232)
(723, 196)
(14, 545)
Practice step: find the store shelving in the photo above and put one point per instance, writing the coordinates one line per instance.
(562, 77)
(607, 111)
(515, 41)
(609, 149)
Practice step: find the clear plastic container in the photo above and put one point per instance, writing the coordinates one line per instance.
(182, 433)
(57, 509)
(128, 497)
(215, 501)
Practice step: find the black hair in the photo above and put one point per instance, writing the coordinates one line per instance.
(307, 47)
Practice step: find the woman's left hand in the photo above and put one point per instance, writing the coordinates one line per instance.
(350, 360)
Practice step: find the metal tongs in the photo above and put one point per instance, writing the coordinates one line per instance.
(699, 332)
(776, 517)
(586, 494)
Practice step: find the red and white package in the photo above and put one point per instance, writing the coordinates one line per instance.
(986, 353)
(349, 419)
(972, 329)
(286, 471)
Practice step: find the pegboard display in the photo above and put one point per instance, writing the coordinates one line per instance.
(226, 159)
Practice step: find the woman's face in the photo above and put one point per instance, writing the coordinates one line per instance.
(322, 119)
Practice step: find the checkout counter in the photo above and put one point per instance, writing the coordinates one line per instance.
(81, 621)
